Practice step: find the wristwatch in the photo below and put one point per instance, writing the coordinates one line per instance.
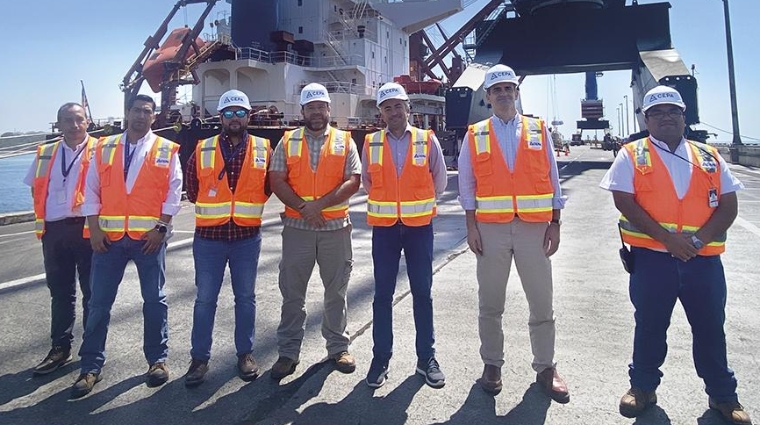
(161, 228)
(556, 221)
(697, 242)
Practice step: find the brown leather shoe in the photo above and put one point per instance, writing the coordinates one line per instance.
(196, 373)
(553, 385)
(636, 401)
(283, 367)
(731, 411)
(247, 367)
(344, 362)
(491, 379)
(158, 374)
(84, 384)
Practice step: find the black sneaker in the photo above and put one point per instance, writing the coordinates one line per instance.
(196, 373)
(432, 372)
(84, 384)
(378, 373)
(158, 374)
(57, 357)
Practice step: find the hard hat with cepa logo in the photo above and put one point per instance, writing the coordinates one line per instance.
(662, 95)
(233, 98)
(391, 91)
(500, 74)
(314, 92)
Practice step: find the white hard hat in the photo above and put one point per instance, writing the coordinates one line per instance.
(391, 91)
(314, 92)
(662, 95)
(233, 98)
(500, 74)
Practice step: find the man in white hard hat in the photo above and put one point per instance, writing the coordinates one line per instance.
(226, 180)
(410, 159)
(314, 171)
(509, 189)
(677, 199)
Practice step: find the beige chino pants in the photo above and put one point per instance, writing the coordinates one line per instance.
(522, 241)
(300, 250)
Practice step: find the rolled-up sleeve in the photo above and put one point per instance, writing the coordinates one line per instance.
(466, 176)
(91, 204)
(172, 203)
(438, 167)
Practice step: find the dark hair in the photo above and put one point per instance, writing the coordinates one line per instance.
(144, 98)
(66, 106)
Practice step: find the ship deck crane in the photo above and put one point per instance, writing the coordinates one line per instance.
(176, 69)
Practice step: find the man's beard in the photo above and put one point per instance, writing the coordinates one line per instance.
(311, 125)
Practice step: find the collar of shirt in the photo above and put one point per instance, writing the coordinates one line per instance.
(148, 138)
(407, 130)
(513, 122)
(77, 147)
(314, 135)
(680, 150)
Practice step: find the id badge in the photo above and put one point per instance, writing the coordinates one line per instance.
(712, 197)
(212, 192)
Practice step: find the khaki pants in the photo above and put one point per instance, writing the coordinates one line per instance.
(524, 242)
(300, 249)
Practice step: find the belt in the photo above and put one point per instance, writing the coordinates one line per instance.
(71, 221)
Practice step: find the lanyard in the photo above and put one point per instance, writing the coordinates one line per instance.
(128, 154)
(229, 156)
(64, 169)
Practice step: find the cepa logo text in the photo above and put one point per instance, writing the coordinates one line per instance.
(388, 92)
(314, 93)
(230, 99)
(500, 74)
(667, 96)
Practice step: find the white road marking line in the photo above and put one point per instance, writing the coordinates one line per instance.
(16, 234)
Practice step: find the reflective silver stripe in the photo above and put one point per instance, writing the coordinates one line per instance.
(339, 207)
(339, 142)
(417, 208)
(219, 210)
(381, 209)
(43, 160)
(248, 210)
(534, 203)
(208, 152)
(111, 223)
(39, 225)
(482, 137)
(535, 135)
(376, 147)
(294, 143)
(260, 152)
(108, 149)
(496, 204)
(163, 151)
(419, 146)
(141, 223)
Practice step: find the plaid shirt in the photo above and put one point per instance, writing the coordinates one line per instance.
(314, 145)
(228, 231)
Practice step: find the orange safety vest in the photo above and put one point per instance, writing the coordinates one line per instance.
(500, 192)
(310, 185)
(137, 212)
(45, 159)
(655, 193)
(216, 203)
(409, 197)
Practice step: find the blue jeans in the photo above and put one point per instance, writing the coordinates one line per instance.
(658, 280)
(211, 258)
(106, 275)
(417, 243)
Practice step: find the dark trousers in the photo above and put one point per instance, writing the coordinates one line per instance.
(66, 254)
(657, 282)
(417, 244)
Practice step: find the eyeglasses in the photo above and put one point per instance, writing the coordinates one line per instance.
(240, 113)
(675, 113)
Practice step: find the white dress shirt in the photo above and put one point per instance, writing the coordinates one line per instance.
(60, 191)
(620, 175)
(142, 148)
(508, 135)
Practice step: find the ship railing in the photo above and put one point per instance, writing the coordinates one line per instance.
(253, 54)
(349, 34)
(337, 61)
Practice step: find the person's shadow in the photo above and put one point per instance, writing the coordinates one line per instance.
(480, 408)
(17, 385)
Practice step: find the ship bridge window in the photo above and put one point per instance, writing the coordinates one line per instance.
(300, 30)
(300, 2)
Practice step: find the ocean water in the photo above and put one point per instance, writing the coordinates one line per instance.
(14, 194)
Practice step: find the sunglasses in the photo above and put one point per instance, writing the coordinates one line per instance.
(240, 113)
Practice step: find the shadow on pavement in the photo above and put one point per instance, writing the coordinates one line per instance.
(480, 408)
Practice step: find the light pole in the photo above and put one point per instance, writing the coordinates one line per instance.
(618, 120)
(627, 128)
(622, 121)
(737, 140)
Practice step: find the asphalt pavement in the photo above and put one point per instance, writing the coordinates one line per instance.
(594, 334)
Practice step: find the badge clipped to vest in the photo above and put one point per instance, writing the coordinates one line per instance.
(712, 197)
(212, 192)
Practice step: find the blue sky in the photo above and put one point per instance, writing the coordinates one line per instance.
(50, 47)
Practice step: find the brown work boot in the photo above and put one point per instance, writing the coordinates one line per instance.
(158, 374)
(57, 357)
(732, 411)
(636, 401)
(248, 370)
(283, 367)
(84, 384)
(491, 379)
(553, 385)
(344, 362)
(196, 373)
